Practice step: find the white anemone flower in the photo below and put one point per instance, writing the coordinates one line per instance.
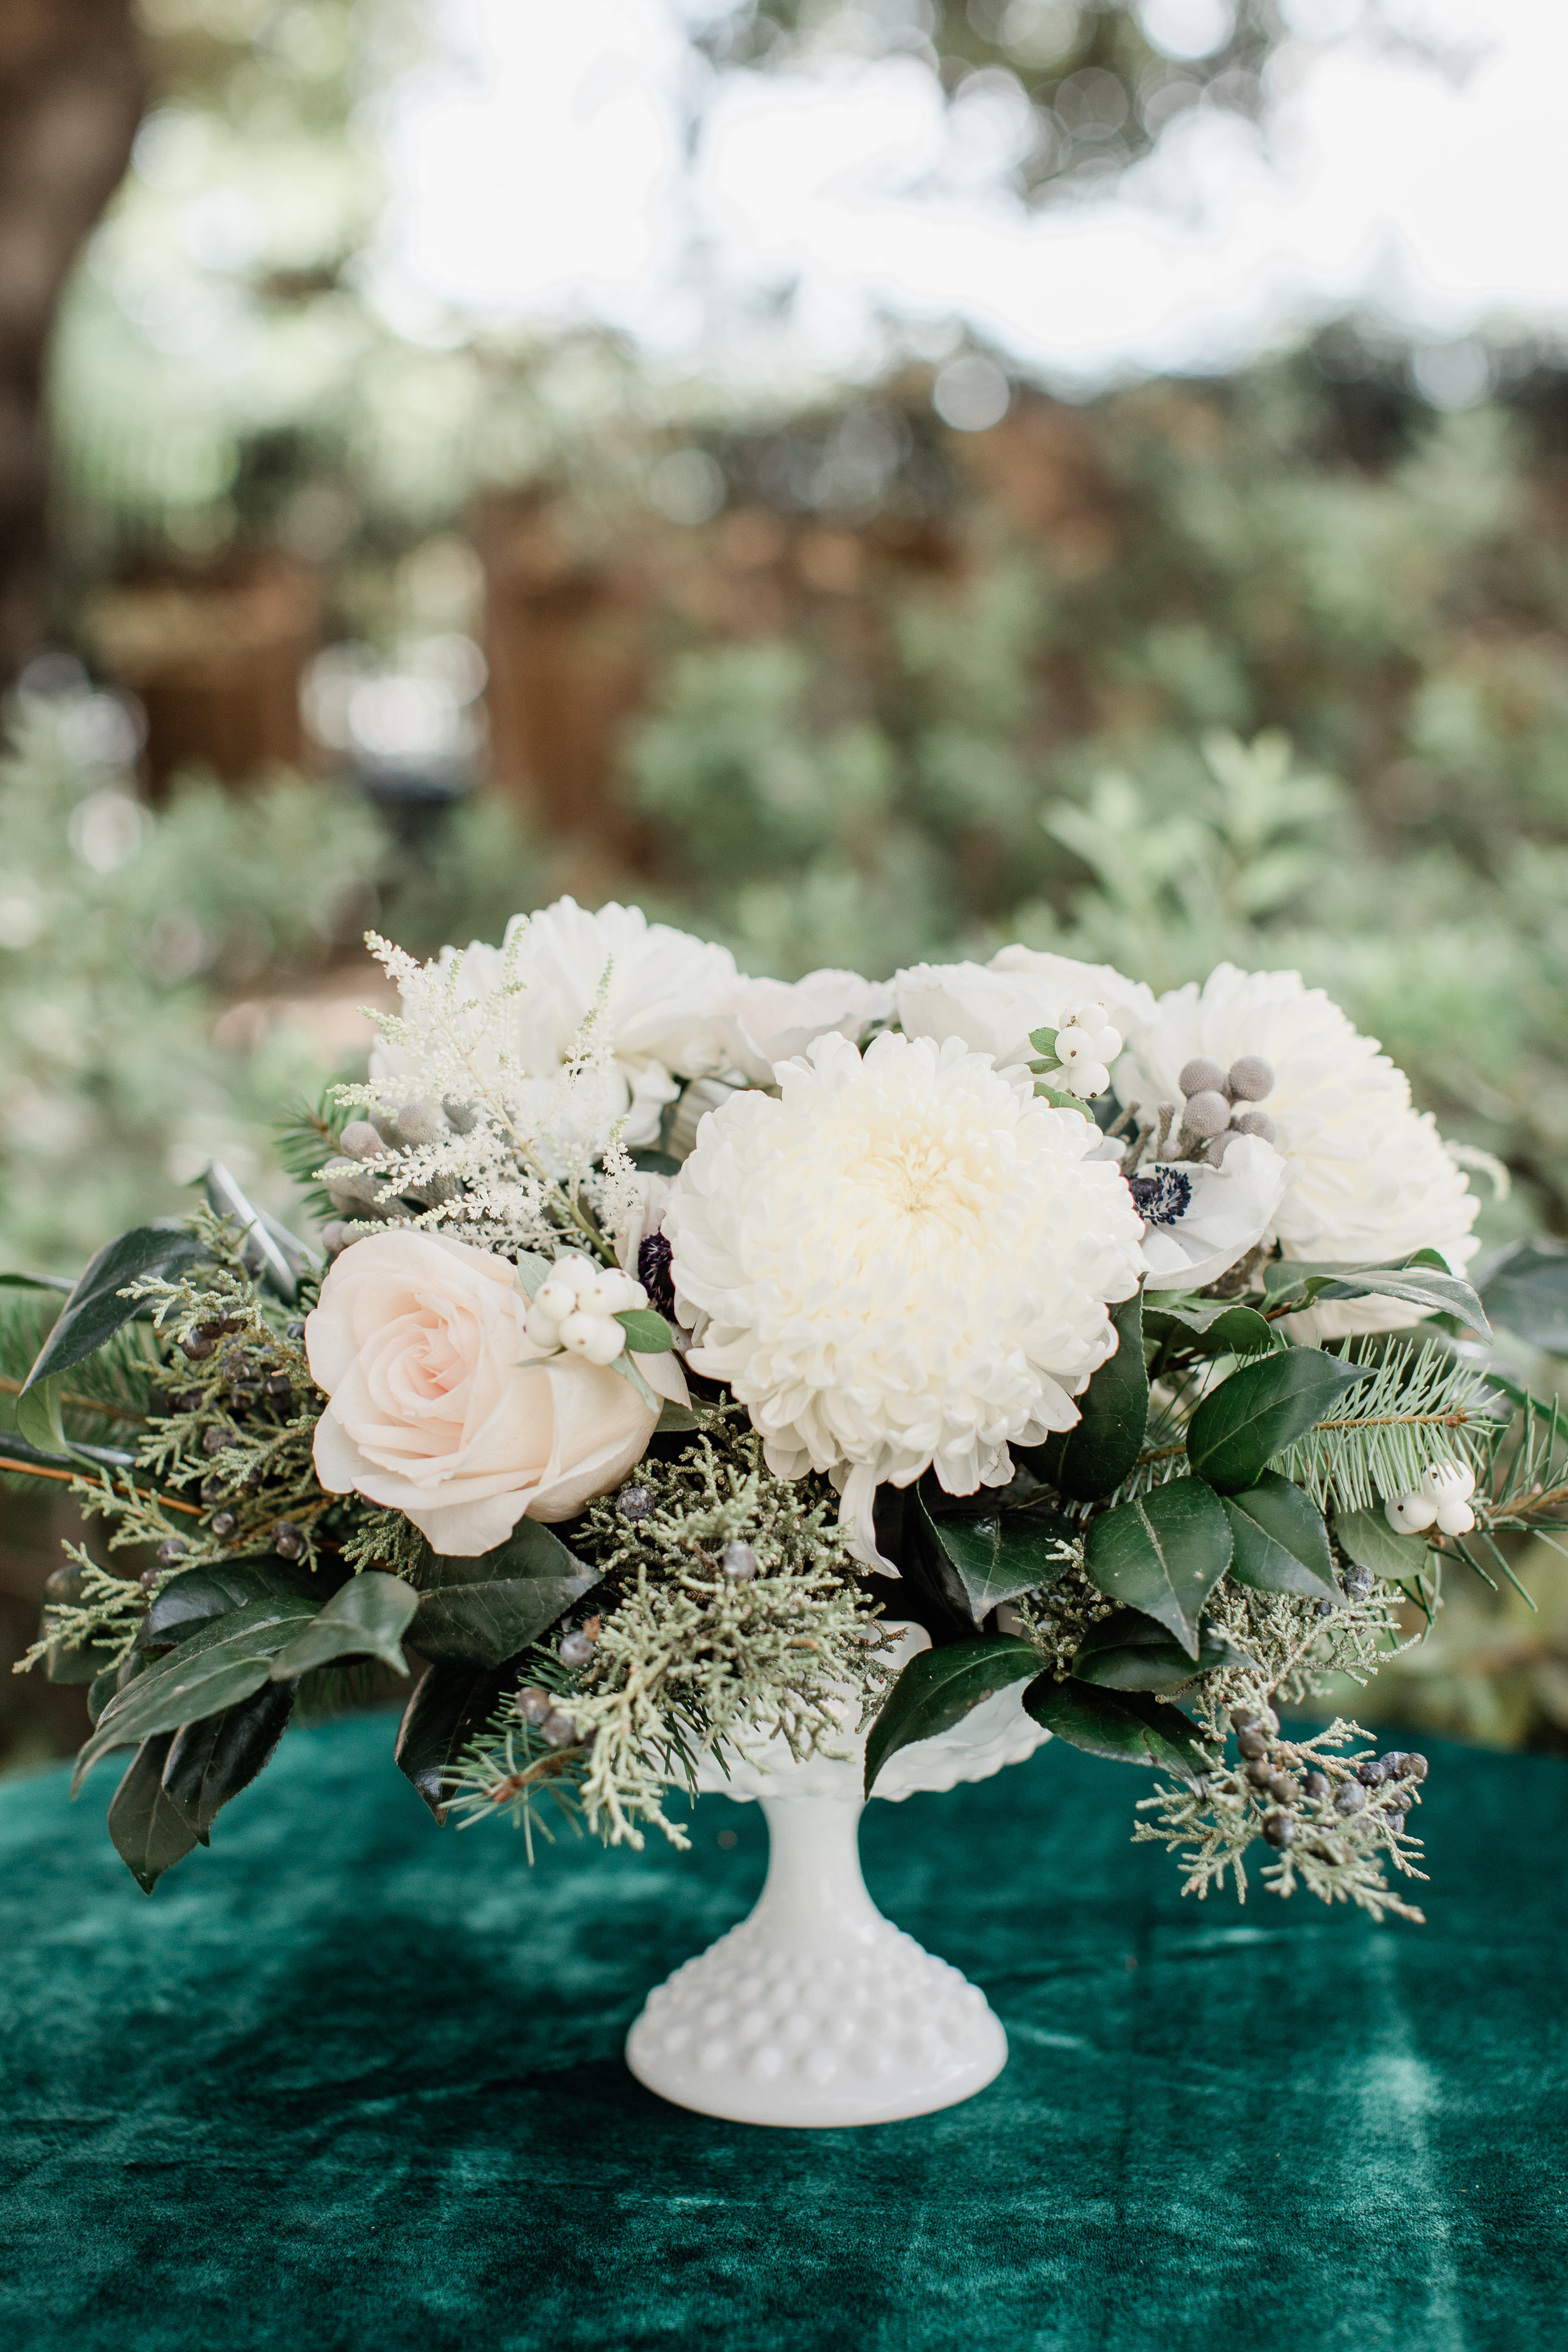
(1370, 1182)
(902, 1262)
(765, 1021)
(996, 1007)
(662, 1002)
(1199, 1221)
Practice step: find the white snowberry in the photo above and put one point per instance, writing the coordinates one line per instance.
(1086, 1078)
(1074, 1045)
(1409, 1513)
(576, 1305)
(1456, 1518)
(1448, 1482)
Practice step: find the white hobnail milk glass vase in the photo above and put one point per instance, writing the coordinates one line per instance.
(816, 2011)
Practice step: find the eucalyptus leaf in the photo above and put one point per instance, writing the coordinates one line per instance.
(1366, 1537)
(1129, 1651)
(939, 1688)
(95, 1310)
(1092, 1458)
(211, 1761)
(219, 1664)
(1129, 1726)
(150, 1831)
(1292, 1282)
(1281, 1543)
(1527, 1292)
(366, 1617)
(647, 1333)
(1164, 1554)
(451, 1706)
(1259, 1409)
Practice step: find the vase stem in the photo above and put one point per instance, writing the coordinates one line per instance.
(814, 1893)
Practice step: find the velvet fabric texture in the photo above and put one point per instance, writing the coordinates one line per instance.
(351, 2084)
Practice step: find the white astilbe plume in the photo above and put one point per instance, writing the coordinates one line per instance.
(903, 1262)
(502, 1159)
(1370, 1181)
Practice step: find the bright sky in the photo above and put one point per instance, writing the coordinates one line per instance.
(576, 163)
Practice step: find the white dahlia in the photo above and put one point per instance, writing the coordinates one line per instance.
(902, 1262)
(995, 1007)
(1369, 1182)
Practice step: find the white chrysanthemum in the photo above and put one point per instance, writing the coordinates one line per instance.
(904, 1261)
(995, 1007)
(1370, 1182)
(660, 1018)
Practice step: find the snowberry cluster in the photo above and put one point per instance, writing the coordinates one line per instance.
(575, 1309)
(1443, 1497)
(1086, 1045)
(1216, 1109)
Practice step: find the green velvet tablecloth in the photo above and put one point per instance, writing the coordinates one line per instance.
(348, 2084)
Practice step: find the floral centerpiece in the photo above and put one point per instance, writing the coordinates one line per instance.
(692, 1371)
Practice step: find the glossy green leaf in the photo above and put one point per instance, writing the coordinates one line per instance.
(1061, 1102)
(487, 1609)
(366, 1617)
(112, 1680)
(647, 1333)
(221, 1663)
(1129, 1651)
(150, 1831)
(95, 1310)
(63, 1282)
(1164, 1554)
(211, 1761)
(1223, 1330)
(37, 1410)
(1128, 1726)
(939, 1688)
(1281, 1543)
(1253, 1414)
(198, 1594)
(1092, 1459)
(1527, 1292)
(1292, 1282)
(995, 1559)
(1366, 1537)
(451, 1706)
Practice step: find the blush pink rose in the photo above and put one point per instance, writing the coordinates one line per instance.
(442, 1409)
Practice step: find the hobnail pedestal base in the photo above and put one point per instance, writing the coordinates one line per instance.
(815, 2011)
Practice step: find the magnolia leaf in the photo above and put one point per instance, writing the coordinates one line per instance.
(1241, 1425)
(198, 1594)
(486, 1609)
(1281, 1543)
(211, 1761)
(451, 1706)
(366, 1617)
(150, 1831)
(1291, 1282)
(1366, 1537)
(65, 1282)
(221, 1663)
(1527, 1292)
(1129, 1726)
(1127, 1651)
(95, 1310)
(1092, 1458)
(1162, 1554)
(939, 1688)
(995, 1559)
(646, 1331)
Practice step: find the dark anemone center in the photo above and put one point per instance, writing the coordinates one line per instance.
(1161, 1198)
(653, 1273)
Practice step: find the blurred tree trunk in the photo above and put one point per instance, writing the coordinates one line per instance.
(71, 89)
